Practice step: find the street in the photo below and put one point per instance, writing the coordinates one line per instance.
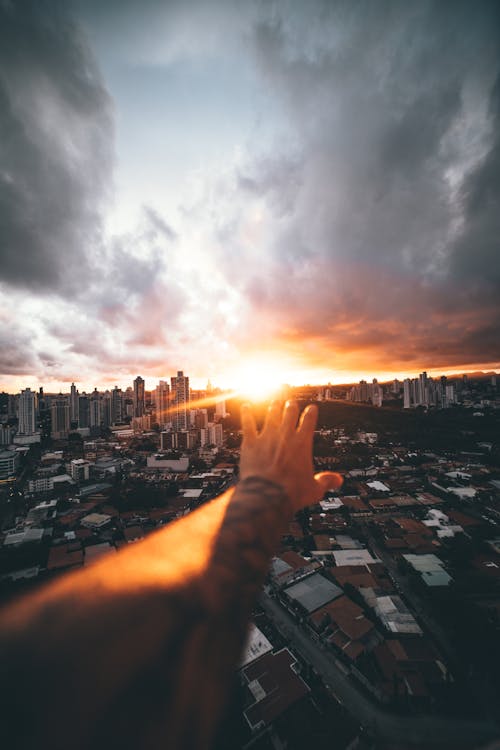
(418, 730)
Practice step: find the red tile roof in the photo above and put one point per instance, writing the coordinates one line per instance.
(354, 503)
(294, 560)
(345, 615)
(65, 556)
(462, 519)
(133, 533)
(275, 685)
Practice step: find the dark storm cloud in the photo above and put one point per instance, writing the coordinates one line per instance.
(16, 350)
(476, 255)
(55, 147)
(396, 114)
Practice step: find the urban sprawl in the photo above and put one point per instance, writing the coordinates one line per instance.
(382, 606)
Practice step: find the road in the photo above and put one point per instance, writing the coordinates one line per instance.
(416, 730)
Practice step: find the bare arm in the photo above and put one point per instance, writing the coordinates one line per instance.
(139, 650)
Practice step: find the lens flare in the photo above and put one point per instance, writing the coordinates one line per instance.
(258, 380)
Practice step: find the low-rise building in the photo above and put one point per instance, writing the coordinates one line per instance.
(273, 686)
(9, 462)
(80, 470)
(354, 557)
(430, 569)
(96, 521)
(159, 461)
(343, 624)
(256, 646)
(311, 593)
(392, 612)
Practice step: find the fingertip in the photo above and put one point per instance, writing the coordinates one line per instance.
(290, 416)
(309, 418)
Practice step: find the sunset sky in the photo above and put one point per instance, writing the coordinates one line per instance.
(308, 187)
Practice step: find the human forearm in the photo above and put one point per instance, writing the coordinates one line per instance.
(141, 639)
(139, 650)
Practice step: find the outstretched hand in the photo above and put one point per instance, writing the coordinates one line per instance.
(282, 453)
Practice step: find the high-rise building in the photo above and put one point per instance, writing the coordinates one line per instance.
(83, 411)
(212, 435)
(139, 397)
(451, 396)
(365, 392)
(116, 405)
(220, 409)
(180, 398)
(407, 393)
(199, 418)
(423, 389)
(215, 434)
(377, 394)
(106, 404)
(95, 410)
(6, 434)
(73, 403)
(442, 394)
(41, 403)
(59, 413)
(27, 412)
(162, 401)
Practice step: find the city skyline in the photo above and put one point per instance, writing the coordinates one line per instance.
(307, 192)
(160, 389)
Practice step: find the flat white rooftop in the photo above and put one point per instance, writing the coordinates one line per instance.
(354, 557)
(378, 486)
(255, 646)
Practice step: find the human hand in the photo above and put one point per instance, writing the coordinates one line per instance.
(282, 453)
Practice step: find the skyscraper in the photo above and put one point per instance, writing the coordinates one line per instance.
(180, 385)
(83, 411)
(407, 393)
(73, 403)
(106, 405)
(139, 401)
(27, 412)
(162, 398)
(95, 410)
(60, 412)
(220, 409)
(116, 405)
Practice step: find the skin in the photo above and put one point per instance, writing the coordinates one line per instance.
(282, 453)
(140, 649)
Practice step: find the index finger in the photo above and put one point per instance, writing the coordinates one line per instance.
(248, 425)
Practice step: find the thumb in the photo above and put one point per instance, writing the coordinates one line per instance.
(328, 480)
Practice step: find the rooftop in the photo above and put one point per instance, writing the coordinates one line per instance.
(274, 685)
(354, 557)
(256, 646)
(313, 592)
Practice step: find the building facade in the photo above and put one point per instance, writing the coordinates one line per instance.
(181, 400)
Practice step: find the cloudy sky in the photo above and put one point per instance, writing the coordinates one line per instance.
(310, 187)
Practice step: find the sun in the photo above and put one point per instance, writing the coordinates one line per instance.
(258, 379)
